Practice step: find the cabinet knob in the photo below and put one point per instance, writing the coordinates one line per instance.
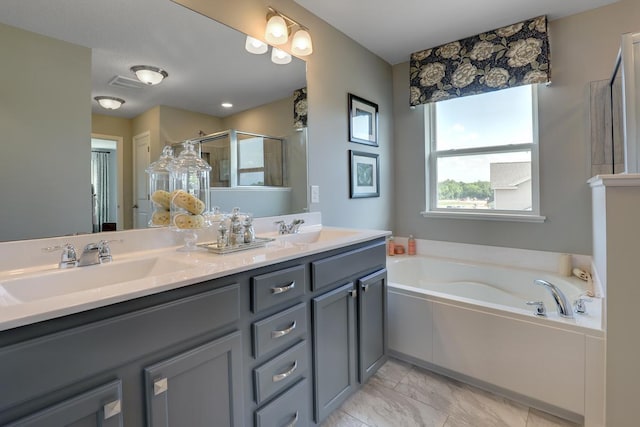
(160, 386)
(365, 287)
(112, 409)
(353, 293)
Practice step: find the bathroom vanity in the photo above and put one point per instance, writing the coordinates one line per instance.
(270, 337)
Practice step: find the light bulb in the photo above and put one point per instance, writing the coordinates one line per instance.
(301, 44)
(280, 56)
(276, 31)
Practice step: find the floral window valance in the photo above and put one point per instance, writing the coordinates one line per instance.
(507, 57)
(300, 108)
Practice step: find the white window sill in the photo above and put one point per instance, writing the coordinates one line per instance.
(484, 216)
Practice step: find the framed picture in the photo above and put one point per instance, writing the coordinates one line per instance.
(363, 121)
(364, 174)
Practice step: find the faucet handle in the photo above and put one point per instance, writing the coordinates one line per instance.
(540, 310)
(104, 250)
(579, 305)
(69, 257)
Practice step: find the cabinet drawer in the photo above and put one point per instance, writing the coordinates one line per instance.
(290, 409)
(279, 330)
(345, 265)
(275, 288)
(280, 372)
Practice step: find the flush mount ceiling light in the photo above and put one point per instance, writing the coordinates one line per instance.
(280, 56)
(278, 29)
(109, 102)
(149, 75)
(226, 105)
(256, 46)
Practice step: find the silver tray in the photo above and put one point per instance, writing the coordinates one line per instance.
(259, 242)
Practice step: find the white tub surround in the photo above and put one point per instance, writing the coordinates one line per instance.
(149, 249)
(462, 311)
(616, 236)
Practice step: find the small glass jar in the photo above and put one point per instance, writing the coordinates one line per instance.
(160, 189)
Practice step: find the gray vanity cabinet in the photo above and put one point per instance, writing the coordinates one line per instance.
(99, 407)
(197, 387)
(334, 344)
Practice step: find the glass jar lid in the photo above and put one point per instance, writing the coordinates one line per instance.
(162, 164)
(188, 161)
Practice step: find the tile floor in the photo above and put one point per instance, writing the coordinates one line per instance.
(402, 395)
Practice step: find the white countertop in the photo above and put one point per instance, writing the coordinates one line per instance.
(201, 266)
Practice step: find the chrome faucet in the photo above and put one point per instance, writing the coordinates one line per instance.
(292, 228)
(96, 253)
(564, 308)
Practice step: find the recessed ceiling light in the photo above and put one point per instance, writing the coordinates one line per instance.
(227, 104)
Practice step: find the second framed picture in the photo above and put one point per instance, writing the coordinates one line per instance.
(364, 174)
(363, 121)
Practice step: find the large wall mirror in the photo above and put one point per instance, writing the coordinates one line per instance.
(59, 144)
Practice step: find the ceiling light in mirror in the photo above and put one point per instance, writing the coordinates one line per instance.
(276, 32)
(301, 44)
(149, 75)
(109, 102)
(280, 56)
(256, 46)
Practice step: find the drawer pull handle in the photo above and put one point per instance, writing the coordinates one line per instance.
(278, 334)
(281, 289)
(112, 409)
(280, 377)
(294, 421)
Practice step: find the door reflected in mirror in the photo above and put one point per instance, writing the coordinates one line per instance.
(58, 56)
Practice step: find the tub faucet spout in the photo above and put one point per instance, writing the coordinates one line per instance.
(564, 308)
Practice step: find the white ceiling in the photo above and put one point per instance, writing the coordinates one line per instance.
(395, 29)
(206, 61)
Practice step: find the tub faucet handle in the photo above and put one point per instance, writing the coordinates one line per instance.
(540, 310)
(579, 305)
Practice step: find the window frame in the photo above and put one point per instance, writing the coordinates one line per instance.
(431, 160)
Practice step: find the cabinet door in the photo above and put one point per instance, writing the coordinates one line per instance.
(334, 349)
(99, 407)
(372, 312)
(201, 387)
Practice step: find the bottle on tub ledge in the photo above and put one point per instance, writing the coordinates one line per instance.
(391, 246)
(411, 245)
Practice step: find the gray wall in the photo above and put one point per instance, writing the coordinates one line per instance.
(584, 48)
(337, 66)
(44, 118)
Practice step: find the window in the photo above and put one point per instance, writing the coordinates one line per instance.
(482, 156)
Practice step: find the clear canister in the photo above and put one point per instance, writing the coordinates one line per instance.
(160, 189)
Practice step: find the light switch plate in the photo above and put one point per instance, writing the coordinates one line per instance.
(315, 194)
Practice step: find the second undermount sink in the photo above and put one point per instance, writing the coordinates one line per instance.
(62, 282)
(315, 235)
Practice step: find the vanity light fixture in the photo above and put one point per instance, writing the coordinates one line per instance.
(280, 57)
(149, 75)
(253, 45)
(109, 102)
(301, 44)
(278, 29)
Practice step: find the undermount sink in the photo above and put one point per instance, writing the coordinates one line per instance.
(62, 282)
(315, 235)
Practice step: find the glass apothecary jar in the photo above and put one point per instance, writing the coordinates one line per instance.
(160, 189)
(190, 195)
